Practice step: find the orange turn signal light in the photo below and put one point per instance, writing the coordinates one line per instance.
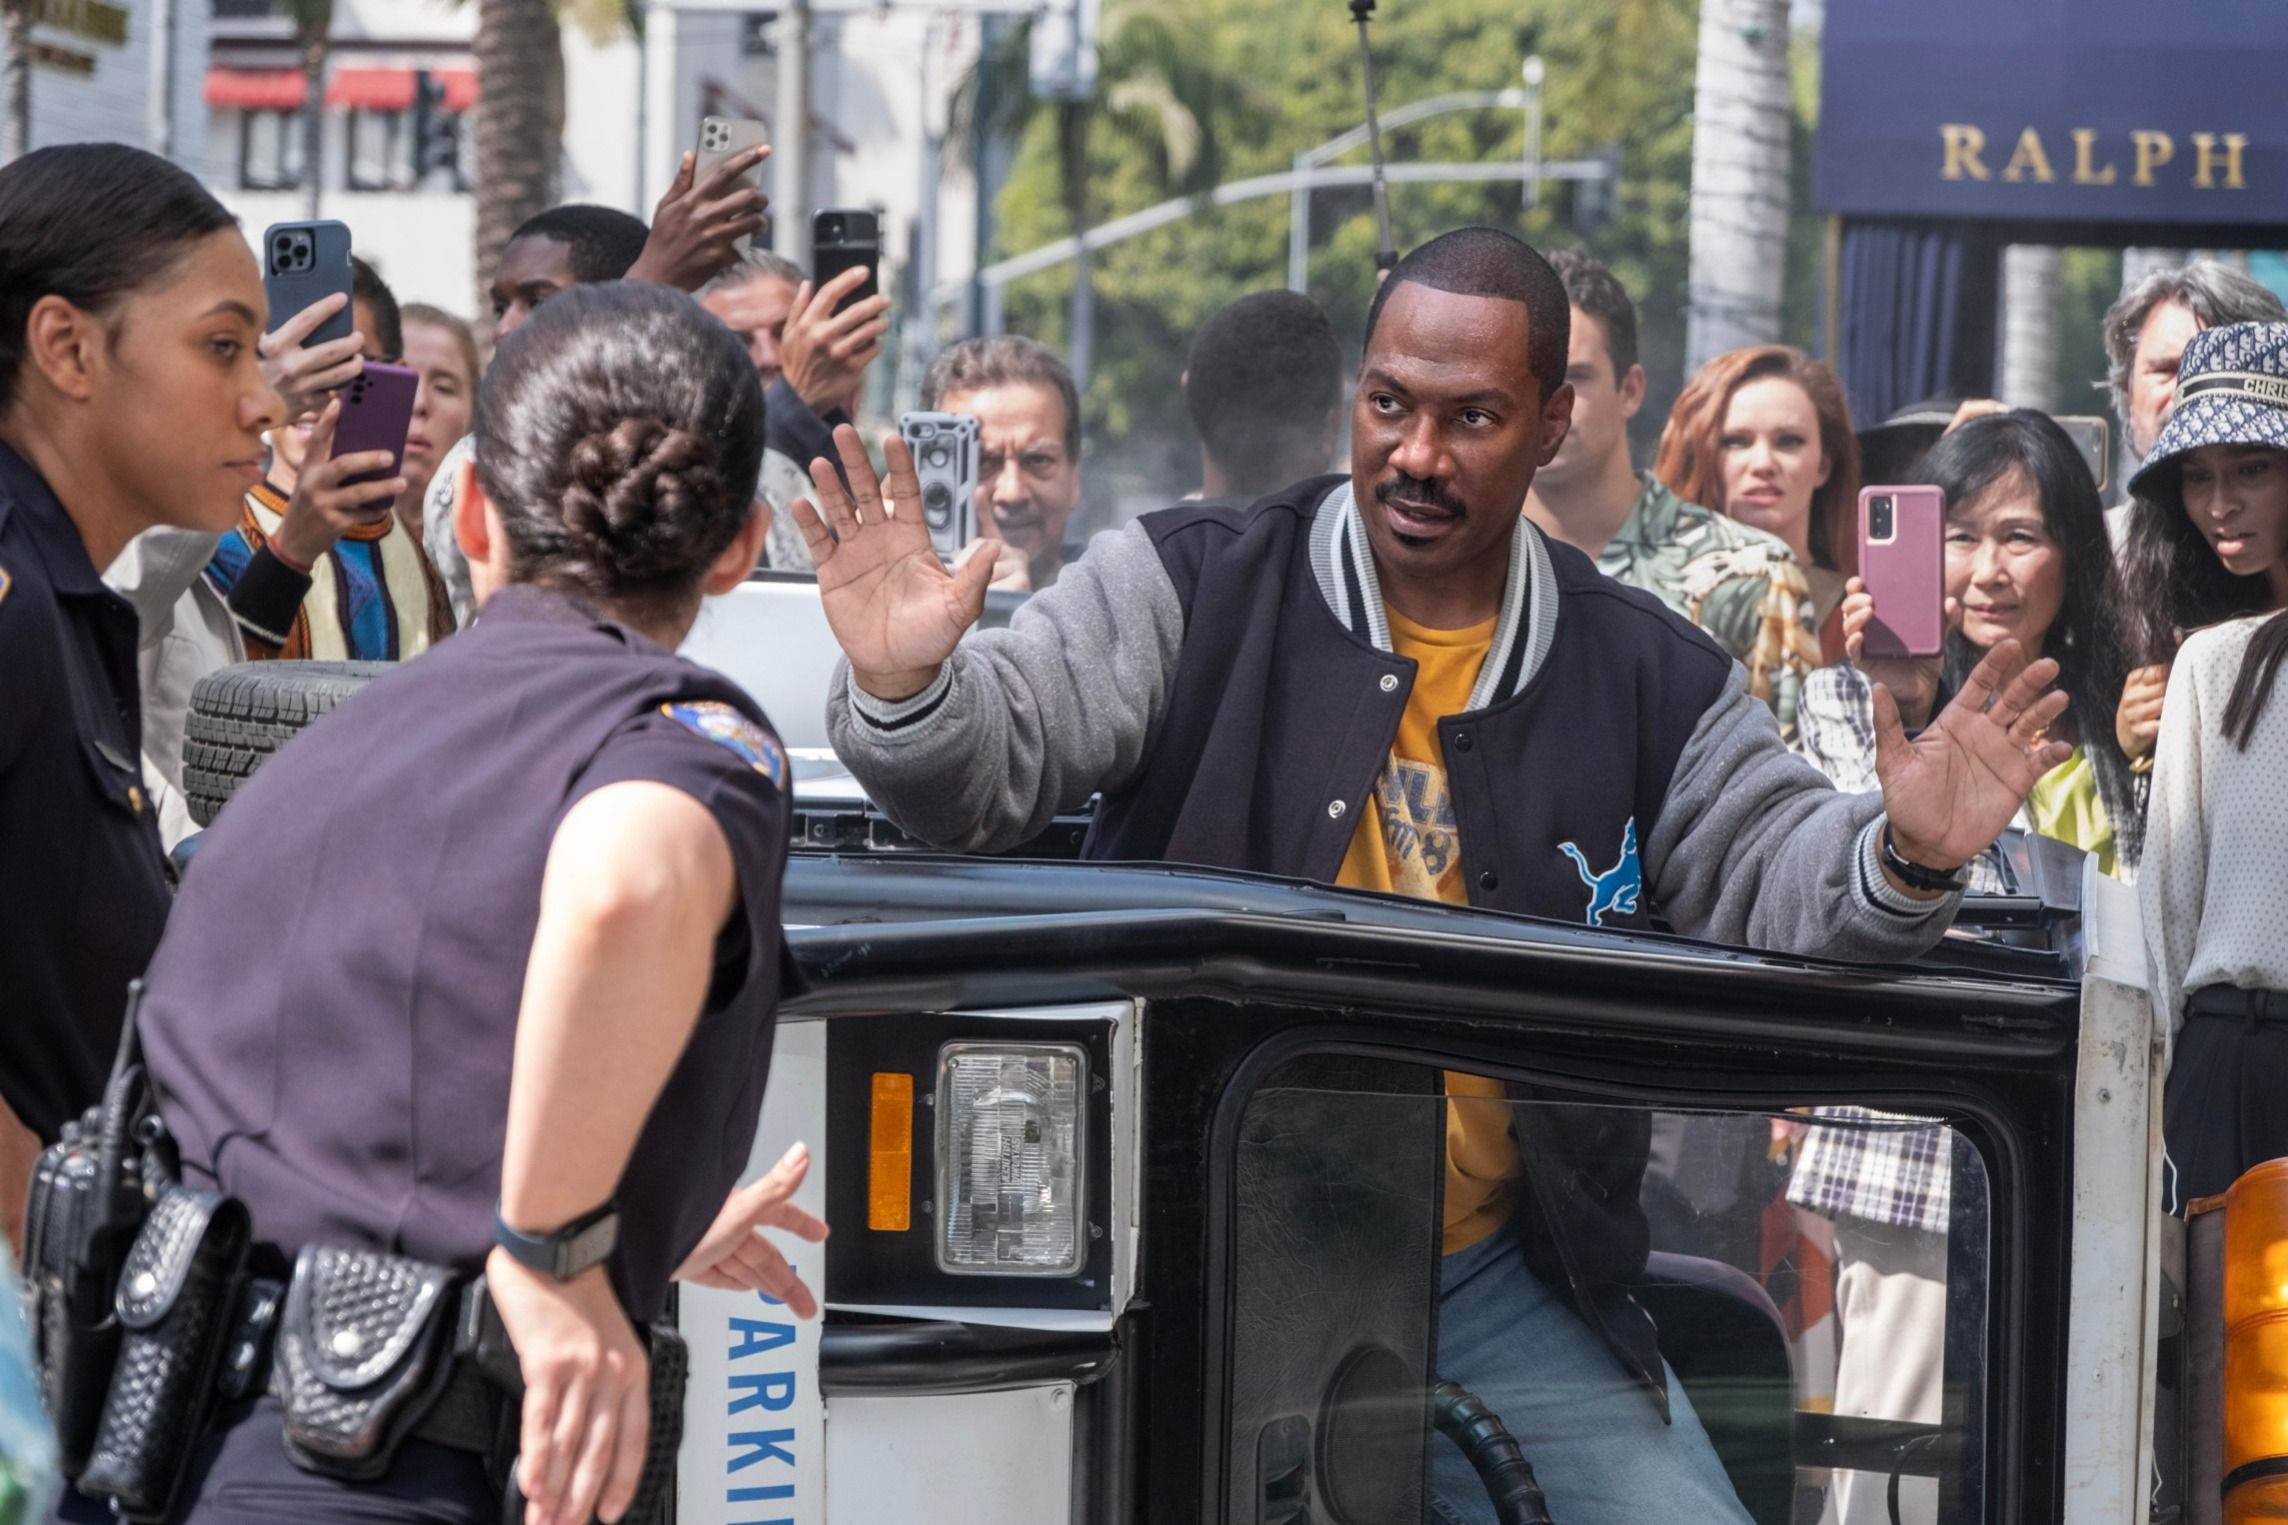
(890, 1156)
(2255, 1298)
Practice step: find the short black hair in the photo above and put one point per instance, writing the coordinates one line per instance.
(619, 435)
(1486, 262)
(91, 223)
(1263, 382)
(1593, 288)
(604, 242)
(367, 286)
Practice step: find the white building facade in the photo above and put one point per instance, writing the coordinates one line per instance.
(122, 71)
(402, 90)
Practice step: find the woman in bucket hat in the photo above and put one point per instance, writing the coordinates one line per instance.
(2204, 581)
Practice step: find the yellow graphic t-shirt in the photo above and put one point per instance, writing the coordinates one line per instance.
(1407, 843)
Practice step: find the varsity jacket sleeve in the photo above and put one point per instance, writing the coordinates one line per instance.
(1025, 722)
(1754, 848)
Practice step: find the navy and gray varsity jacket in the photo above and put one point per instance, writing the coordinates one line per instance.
(1224, 678)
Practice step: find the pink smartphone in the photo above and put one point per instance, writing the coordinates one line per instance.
(377, 414)
(1902, 559)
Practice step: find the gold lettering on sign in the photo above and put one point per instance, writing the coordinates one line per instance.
(2085, 173)
(2154, 149)
(1964, 143)
(2206, 159)
(2029, 156)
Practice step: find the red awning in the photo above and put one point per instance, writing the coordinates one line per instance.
(256, 89)
(372, 89)
(460, 87)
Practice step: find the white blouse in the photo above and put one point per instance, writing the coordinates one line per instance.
(2214, 883)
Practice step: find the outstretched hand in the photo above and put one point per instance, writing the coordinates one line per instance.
(895, 609)
(1951, 790)
(735, 1257)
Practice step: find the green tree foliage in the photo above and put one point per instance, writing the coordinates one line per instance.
(1619, 72)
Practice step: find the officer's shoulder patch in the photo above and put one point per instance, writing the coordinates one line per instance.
(724, 725)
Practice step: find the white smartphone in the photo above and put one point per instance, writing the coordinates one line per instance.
(721, 137)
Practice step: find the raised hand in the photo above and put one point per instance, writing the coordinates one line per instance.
(302, 377)
(735, 1257)
(825, 352)
(1951, 790)
(1913, 681)
(696, 226)
(895, 609)
(326, 505)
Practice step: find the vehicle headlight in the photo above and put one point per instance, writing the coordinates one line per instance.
(1009, 1158)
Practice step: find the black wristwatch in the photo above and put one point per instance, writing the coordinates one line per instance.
(1930, 881)
(585, 1242)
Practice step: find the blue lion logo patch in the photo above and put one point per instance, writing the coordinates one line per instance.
(1615, 891)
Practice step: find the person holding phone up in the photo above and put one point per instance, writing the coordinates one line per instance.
(130, 398)
(2026, 559)
(319, 566)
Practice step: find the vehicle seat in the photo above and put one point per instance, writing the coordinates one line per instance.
(1723, 1336)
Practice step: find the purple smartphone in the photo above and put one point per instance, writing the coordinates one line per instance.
(1902, 559)
(377, 414)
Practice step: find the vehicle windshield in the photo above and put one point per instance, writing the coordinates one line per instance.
(1395, 1287)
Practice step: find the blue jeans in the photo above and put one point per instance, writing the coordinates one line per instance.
(1591, 1432)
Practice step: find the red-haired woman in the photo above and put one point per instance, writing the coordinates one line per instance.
(1764, 436)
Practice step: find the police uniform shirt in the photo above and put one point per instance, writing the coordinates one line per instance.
(83, 881)
(332, 1017)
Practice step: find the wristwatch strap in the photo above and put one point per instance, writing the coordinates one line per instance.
(1916, 876)
(578, 1246)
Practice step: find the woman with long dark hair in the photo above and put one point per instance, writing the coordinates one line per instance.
(2204, 588)
(2026, 558)
(516, 1023)
(130, 397)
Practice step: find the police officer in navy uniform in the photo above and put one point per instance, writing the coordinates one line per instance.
(130, 397)
(485, 962)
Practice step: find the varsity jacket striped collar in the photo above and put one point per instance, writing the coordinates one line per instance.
(1344, 564)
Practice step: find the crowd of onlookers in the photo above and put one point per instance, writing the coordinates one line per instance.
(2164, 618)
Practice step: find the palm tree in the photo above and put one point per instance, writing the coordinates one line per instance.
(17, 17)
(1740, 128)
(1154, 95)
(520, 110)
(2030, 281)
(520, 122)
(313, 22)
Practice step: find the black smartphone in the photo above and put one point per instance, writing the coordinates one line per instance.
(842, 238)
(302, 263)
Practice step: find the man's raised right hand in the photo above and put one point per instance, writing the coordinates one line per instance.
(895, 609)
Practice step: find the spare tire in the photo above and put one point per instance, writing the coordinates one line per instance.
(241, 715)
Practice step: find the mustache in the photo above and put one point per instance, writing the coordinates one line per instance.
(1420, 490)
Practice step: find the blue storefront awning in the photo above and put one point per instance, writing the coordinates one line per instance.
(2067, 112)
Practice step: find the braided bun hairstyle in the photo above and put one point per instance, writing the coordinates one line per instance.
(619, 437)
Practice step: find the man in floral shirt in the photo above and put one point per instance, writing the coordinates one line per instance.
(1739, 584)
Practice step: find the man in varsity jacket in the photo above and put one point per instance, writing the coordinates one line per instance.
(1392, 680)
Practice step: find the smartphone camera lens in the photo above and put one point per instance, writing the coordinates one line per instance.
(938, 456)
(1880, 519)
(925, 431)
(830, 228)
(937, 505)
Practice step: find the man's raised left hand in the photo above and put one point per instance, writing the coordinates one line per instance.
(1951, 790)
